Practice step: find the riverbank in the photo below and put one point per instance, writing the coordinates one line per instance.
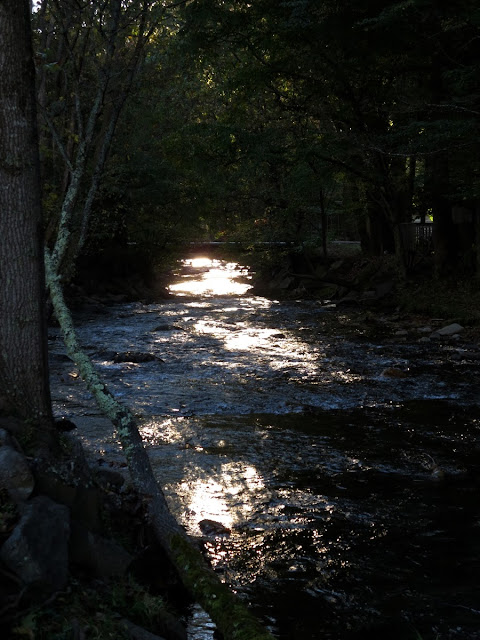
(356, 282)
(79, 558)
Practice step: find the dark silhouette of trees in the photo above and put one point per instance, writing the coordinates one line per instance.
(373, 104)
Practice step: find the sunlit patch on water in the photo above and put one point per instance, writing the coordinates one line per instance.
(226, 493)
(284, 350)
(164, 431)
(210, 496)
(210, 277)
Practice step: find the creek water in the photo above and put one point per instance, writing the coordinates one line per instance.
(344, 501)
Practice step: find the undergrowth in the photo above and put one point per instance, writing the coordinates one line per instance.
(95, 610)
(452, 300)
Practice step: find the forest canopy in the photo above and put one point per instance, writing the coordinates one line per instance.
(297, 121)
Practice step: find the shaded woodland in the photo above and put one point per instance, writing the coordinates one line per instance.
(293, 121)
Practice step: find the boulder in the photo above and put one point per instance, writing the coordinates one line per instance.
(15, 474)
(5, 438)
(109, 479)
(14, 426)
(101, 556)
(138, 633)
(212, 528)
(37, 549)
(426, 329)
(449, 330)
(83, 501)
(69, 481)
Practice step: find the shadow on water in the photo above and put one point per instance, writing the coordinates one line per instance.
(344, 524)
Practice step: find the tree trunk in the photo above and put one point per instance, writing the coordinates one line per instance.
(445, 232)
(23, 338)
(378, 235)
(324, 218)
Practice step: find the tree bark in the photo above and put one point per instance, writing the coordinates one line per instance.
(324, 218)
(23, 337)
(445, 232)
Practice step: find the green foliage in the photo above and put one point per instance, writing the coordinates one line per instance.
(133, 601)
(93, 610)
(8, 512)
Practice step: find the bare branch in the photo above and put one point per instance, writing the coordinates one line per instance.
(453, 107)
(58, 142)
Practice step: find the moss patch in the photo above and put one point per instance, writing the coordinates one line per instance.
(231, 615)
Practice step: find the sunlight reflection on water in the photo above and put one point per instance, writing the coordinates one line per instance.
(212, 495)
(210, 277)
(209, 487)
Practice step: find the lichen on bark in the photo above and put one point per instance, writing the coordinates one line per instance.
(229, 612)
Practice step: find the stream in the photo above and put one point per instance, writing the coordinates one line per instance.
(332, 476)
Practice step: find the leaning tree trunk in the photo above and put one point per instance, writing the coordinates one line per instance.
(23, 340)
(228, 612)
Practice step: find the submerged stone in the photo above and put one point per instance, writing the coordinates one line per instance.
(394, 372)
(213, 528)
(134, 356)
(166, 327)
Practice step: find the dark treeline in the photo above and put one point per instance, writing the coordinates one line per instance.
(299, 121)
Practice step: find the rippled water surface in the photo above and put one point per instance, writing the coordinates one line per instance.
(344, 502)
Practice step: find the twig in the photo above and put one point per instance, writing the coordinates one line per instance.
(14, 603)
